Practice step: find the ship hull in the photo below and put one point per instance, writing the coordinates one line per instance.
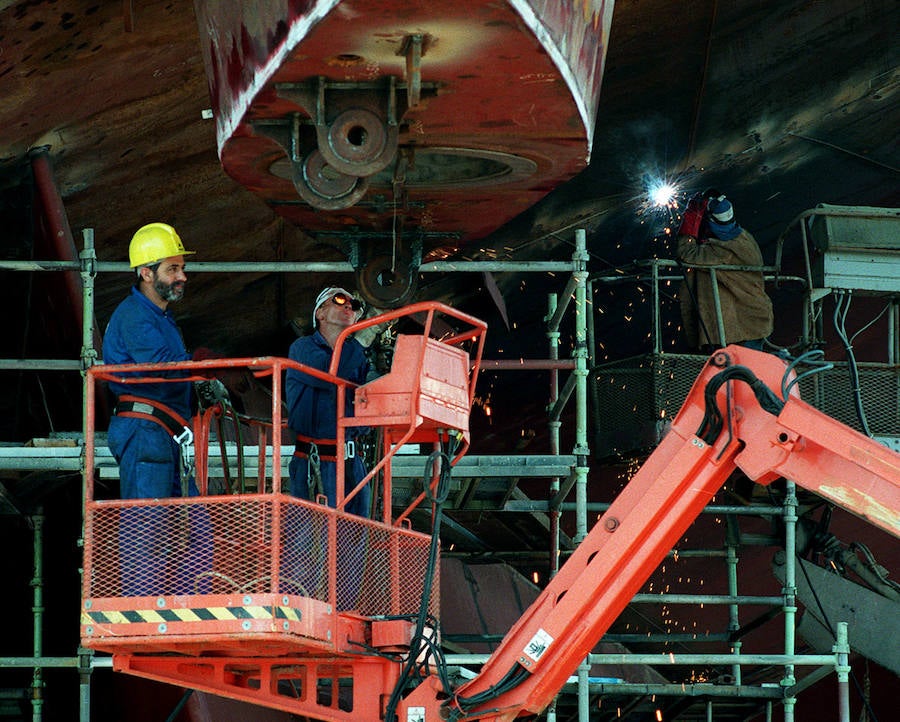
(485, 108)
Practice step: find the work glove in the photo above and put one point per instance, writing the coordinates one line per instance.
(693, 216)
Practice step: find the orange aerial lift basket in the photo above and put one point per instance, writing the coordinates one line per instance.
(260, 595)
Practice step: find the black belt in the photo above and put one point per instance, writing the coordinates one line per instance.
(326, 451)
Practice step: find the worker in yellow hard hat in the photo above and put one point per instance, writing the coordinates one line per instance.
(150, 431)
(152, 244)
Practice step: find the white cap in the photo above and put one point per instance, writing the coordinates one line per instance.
(326, 295)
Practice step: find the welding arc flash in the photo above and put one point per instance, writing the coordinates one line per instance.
(661, 195)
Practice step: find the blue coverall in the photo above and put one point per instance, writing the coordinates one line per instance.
(312, 412)
(150, 460)
(141, 332)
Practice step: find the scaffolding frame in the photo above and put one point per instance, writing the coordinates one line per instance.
(662, 366)
(579, 290)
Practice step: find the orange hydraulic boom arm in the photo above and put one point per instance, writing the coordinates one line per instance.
(730, 419)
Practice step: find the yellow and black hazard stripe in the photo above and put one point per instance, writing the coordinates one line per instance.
(198, 614)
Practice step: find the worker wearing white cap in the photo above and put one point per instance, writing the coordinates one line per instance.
(312, 417)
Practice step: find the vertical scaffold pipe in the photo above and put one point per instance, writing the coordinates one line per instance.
(731, 561)
(656, 323)
(85, 665)
(790, 591)
(37, 584)
(581, 451)
(554, 426)
(842, 650)
(88, 274)
(88, 419)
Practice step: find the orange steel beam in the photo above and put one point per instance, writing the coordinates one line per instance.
(313, 686)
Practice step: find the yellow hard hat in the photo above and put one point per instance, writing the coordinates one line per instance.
(154, 242)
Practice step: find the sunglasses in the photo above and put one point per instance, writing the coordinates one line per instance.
(341, 300)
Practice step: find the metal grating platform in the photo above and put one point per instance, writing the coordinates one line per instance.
(647, 391)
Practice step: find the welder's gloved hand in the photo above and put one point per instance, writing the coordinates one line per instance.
(693, 216)
(369, 334)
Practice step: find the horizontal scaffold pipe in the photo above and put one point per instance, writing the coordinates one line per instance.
(40, 365)
(703, 689)
(525, 505)
(705, 599)
(668, 660)
(54, 662)
(299, 266)
(526, 364)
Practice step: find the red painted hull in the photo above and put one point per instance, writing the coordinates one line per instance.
(513, 84)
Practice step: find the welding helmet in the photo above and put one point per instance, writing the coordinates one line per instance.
(327, 294)
(153, 243)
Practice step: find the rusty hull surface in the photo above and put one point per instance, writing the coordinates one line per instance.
(515, 78)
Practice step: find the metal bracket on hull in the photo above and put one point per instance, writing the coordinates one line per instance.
(351, 132)
(356, 123)
(387, 272)
(413, 48)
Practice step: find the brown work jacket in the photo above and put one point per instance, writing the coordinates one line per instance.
(746, 308)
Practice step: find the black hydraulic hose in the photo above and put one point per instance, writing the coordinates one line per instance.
(814, 358)
(512, 679)
(227, 410)
(712, 424)
(223, 454)
(437, 497)
(840, 323)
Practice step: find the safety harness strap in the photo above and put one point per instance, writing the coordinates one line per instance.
(151, 410)
(324, 449)
(315, 451)
(139, 407)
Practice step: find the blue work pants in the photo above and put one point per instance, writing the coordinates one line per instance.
(164, 550)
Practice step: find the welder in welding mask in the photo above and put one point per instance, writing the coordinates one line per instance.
(710, 236)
